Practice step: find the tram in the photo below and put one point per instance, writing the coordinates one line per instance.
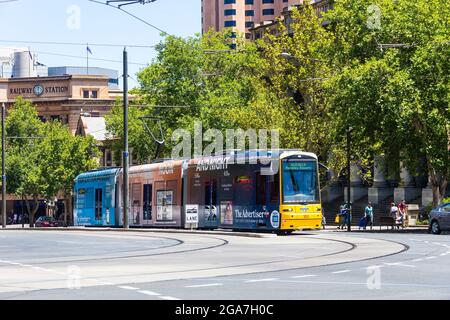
(275, 191)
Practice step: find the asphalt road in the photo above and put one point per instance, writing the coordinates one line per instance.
(145, 265)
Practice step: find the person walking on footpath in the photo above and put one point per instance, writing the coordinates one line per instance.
(402, 210)
(342, 217)
(394, 213)
(368, 215)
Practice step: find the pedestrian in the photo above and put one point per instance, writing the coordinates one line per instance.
(394, 212)
(402, 211)
(324, 221)
(368, 215)
(342, 217)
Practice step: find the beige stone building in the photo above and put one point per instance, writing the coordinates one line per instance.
(63, 98)
(79, 101)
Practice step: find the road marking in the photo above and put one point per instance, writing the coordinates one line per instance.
(443, 254)
(149, 293)
(262, 280)
(304, 276)
(400, 264)
(27, 265)
(168, 298)
(128, 288)
(432, 257)
(341, 271)
(205, 285)
(417, 260)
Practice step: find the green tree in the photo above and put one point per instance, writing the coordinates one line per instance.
(43, 159)
(396, 99)
(64, 157)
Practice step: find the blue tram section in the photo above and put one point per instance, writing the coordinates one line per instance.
(96, 198)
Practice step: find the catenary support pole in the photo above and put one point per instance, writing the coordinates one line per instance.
(126, 155)
(3, 166)
(349, 203)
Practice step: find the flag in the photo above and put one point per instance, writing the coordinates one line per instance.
(88, 49)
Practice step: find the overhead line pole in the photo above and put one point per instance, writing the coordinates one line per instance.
(126, 154)
(3, 166)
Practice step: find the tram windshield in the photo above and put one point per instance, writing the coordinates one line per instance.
(300, 183)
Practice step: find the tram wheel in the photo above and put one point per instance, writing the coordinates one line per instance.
(285, 232)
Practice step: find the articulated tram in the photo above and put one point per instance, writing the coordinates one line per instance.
(275, 191)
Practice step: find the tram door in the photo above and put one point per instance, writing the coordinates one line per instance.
(147, 203)
(98, 204)
(211, 205)
(136, 203)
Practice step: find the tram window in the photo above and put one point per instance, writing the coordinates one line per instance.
(243, 190)
(98, 204)
(260, 189)
(147, 205)
(274, 187)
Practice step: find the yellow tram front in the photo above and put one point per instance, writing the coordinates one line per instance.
(300, 202)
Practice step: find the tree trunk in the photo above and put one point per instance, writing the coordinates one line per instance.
(66, 202)
(70, 209)
(438, 184)
(30, 213)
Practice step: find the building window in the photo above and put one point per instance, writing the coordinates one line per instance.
(90, 94)
(249, 13)
(248, 36)
(230, 12)
(267, 1)
(268, 12)
(230, 23)
(249, 2)
(249, 24)
(229, 1)
(233, 35)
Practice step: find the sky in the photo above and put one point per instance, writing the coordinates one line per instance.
(82, 21)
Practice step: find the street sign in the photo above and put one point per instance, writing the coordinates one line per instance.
(191, 214)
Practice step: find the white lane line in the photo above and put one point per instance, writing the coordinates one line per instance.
(149, 293)
(128, 288)
(417, 260)
(400, 264)
(205, 285)
(304, 276)
(261, 280)
(168, 298)
(443, 254)
(341, 271)
(432, 257)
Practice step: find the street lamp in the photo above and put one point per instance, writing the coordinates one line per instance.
(349, 203)
(3, 166)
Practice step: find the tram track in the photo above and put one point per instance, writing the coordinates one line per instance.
(181, 242)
